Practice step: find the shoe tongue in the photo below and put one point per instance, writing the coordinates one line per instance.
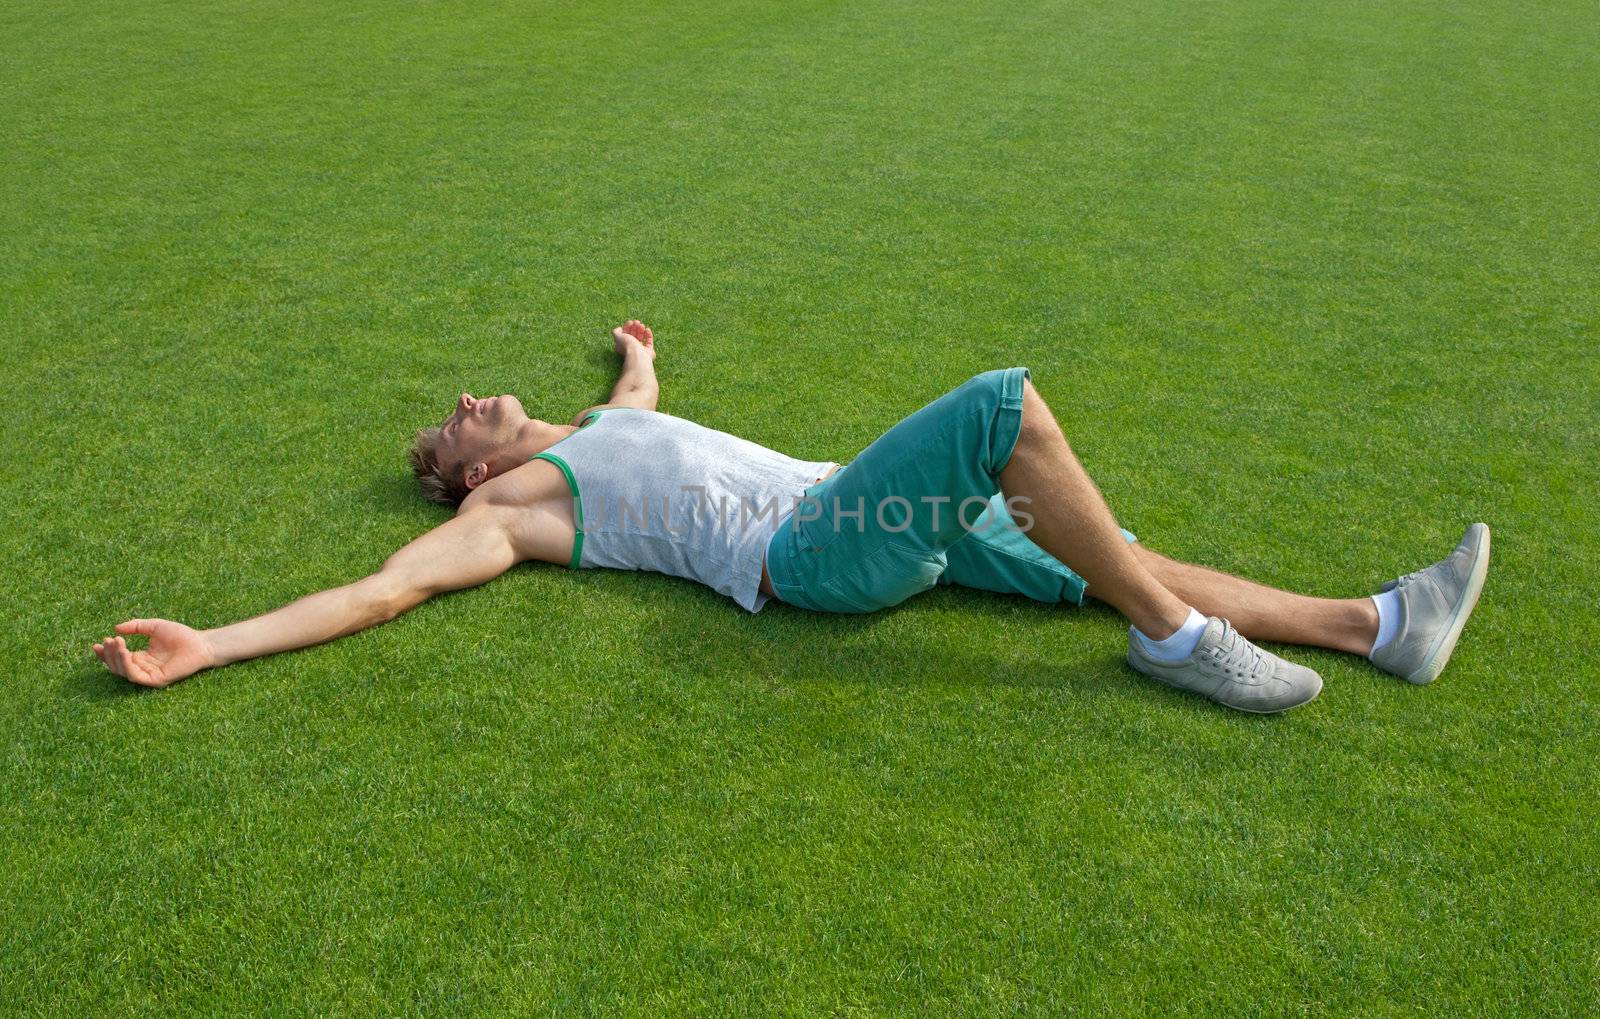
(1221, 634)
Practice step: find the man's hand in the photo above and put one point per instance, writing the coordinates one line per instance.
(175, 652)
(634, 334)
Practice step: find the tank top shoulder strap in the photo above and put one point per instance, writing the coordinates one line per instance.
(572, 484)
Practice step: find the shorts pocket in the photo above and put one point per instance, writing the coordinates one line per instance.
(887, 576)
(814, 524)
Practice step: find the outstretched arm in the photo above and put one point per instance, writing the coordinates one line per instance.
(470, 549)
(636, 386)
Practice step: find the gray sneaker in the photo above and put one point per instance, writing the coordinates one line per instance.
(1232, 671)
(1434, 606)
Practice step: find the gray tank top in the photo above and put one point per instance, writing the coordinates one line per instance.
(656, 492)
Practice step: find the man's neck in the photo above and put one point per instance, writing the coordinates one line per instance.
(536, 437)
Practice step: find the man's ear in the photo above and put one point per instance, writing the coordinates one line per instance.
(477, 474)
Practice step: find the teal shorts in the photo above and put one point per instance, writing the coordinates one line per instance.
(921, 506)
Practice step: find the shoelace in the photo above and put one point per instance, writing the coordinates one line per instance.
(1237, 655)
(1448, 563)
(1449, 568)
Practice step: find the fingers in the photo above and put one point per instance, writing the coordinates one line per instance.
(144, 627)
(107, 653)
(114, 654)
(633, 331)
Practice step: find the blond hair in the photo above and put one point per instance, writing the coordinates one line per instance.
(441, 483)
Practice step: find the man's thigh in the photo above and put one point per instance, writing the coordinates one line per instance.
(876, 532)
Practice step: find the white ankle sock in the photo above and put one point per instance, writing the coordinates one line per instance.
(1178, 646)
(1388, 618)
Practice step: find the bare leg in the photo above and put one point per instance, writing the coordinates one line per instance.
(1073, 523)
(1266, 613)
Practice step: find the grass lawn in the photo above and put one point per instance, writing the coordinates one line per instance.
(1311, 286)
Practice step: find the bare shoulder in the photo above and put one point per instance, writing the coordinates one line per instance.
(533, 504)
(532, 483)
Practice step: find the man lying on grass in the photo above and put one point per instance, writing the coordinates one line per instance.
(978, 488)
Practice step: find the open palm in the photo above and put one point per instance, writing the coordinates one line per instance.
(634, 331)
(175, 651)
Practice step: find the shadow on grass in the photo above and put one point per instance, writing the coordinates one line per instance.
(94, 683)
(398, 492)
(924, 643)
(917, 643)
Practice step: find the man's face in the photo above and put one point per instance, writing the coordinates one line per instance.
(478, 429)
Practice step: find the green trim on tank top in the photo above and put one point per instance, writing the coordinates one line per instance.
(572, 483)
(577, 504)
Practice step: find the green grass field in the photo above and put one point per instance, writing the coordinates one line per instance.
(1311, 286)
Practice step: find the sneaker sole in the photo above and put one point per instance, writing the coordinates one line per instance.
(1439, 655)
(1134, 665)
(1273, 711)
